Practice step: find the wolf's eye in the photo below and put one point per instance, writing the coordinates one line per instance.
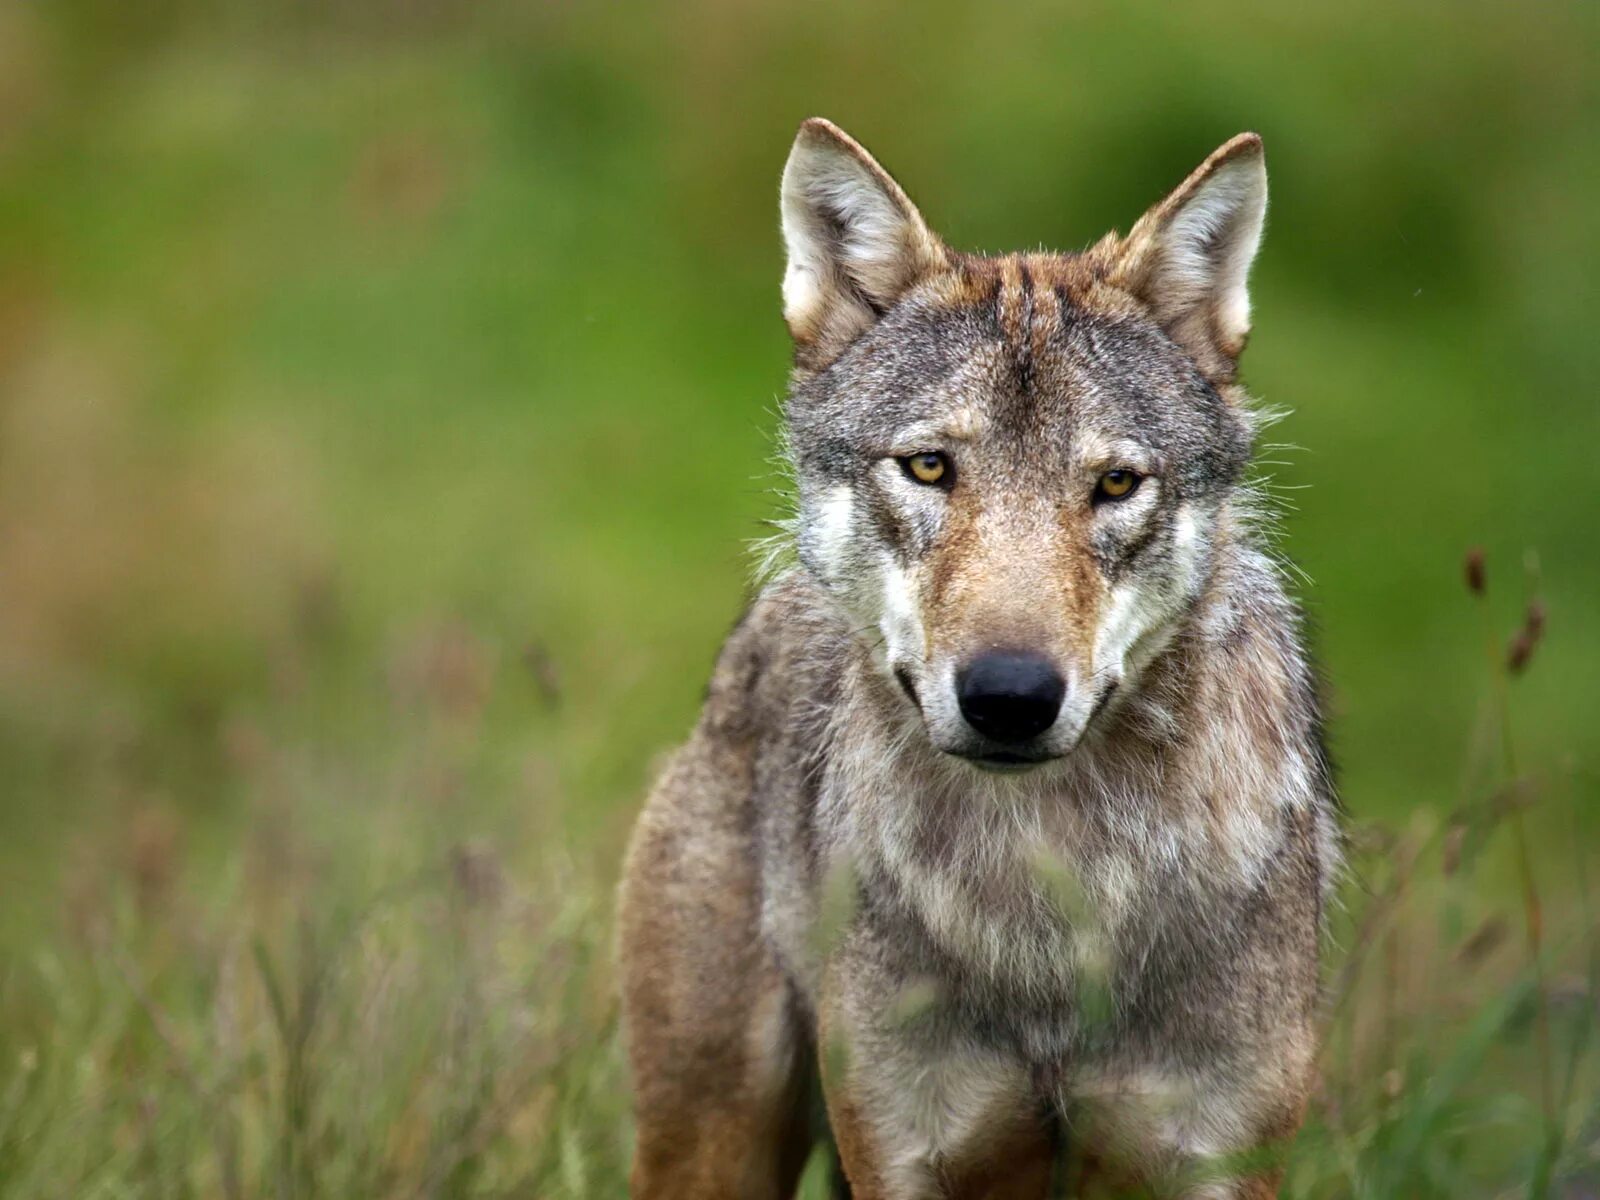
(930, 467)
(1116, 485)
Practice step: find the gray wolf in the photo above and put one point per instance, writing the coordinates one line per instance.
(1007, 817)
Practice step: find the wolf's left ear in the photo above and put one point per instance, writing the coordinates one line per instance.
(855, 242)
(1189, 257)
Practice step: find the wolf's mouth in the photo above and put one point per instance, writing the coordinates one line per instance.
(1100, 704)
(903, 678)
(1007, 762)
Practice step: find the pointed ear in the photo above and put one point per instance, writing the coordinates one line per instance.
(855, 242)
(1189, 257)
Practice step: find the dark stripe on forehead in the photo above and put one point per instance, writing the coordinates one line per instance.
(1008, 297)
(979, 296)
(1067, 313)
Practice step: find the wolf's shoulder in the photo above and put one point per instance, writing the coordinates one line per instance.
(789, 643)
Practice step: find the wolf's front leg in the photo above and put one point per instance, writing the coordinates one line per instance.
(717, 1046)
(1217, 1134)
(918, 1109)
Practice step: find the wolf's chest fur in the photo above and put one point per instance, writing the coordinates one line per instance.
(1111, 873)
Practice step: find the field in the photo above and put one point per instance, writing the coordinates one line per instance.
(386, 395)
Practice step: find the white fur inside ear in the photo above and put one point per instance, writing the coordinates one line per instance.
(850, 237)
(1208, 246)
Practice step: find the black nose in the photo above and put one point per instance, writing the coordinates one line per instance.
(1009, 696)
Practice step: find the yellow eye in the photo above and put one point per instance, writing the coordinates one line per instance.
(931, 467)
(1116, 485)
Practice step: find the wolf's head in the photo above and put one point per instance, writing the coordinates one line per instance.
(1011, 471)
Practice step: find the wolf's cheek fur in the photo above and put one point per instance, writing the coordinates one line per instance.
(865, 576)
(901, 622)
(1143, 609)
(828, 536)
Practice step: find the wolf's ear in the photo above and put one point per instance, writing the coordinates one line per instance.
(1189, 257)
(855, 242)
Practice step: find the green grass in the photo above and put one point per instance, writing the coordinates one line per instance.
(385, 393)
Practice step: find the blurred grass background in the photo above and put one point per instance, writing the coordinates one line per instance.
(385, 397)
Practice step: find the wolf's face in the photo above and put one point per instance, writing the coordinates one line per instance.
(1011, 470)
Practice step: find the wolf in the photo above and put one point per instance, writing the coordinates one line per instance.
(1007, 825)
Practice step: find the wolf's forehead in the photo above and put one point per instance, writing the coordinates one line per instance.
(1007, 351)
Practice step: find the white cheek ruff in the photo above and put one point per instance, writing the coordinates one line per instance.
(1187, 550)
(865, 576)
(902, 620)
(1139, 606)
(828, 535)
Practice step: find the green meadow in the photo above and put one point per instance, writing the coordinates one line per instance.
(387, 395)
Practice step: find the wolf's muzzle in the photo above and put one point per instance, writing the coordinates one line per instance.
(1010, 697)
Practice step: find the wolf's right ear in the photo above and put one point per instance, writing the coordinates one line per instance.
(855, 242)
